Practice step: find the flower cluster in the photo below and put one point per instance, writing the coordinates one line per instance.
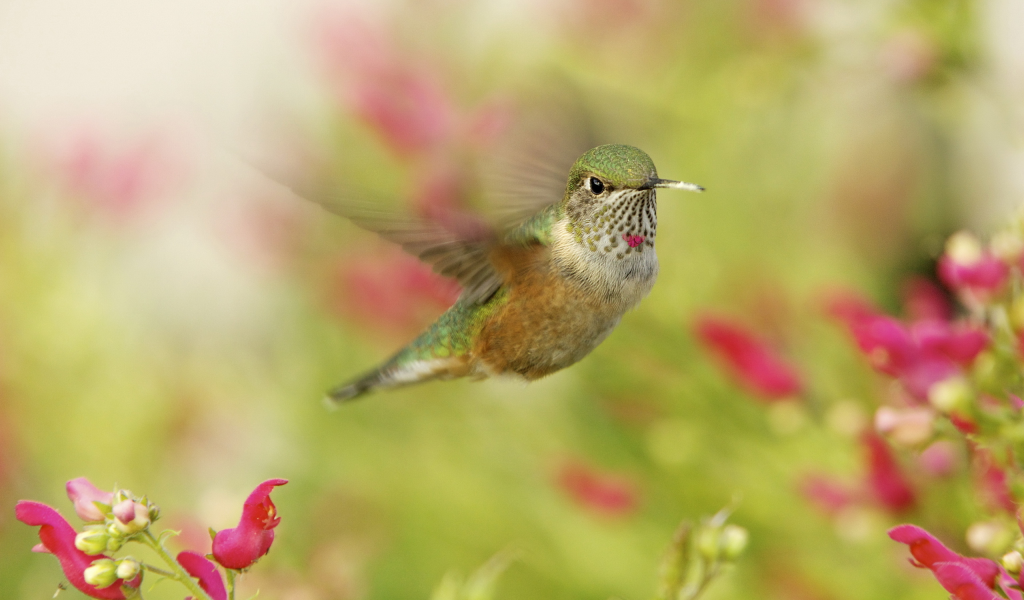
(113, 519)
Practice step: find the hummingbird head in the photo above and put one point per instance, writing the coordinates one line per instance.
(610, 196)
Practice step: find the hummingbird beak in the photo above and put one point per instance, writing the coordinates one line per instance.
(671, 184)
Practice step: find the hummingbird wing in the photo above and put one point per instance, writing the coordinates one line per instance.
(455, 244)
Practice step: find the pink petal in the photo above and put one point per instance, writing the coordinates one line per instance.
(886, 342)
(925, 301)
(83, 493)
(929, 552)
(597, 491)
(986, 276)
(206, 572)
(962, 582)
(826, 494)
(885, 478)
(58, 537)
(748, 360)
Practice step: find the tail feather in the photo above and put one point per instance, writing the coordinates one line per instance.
(396, 373)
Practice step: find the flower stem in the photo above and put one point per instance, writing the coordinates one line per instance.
(178, 572)
(231, 583)
(159, 571)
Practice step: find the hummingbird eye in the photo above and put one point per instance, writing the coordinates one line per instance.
(596, 186)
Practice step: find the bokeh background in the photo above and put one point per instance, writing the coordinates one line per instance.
(170, 317)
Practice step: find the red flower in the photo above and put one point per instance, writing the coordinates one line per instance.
(930, 553)
(206, 572)
(603, 493)
(83, 494)
(240, 547)
(750, 361)
(885, 479)
(58, 538)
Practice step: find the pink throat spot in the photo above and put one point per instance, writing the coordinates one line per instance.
(633, 240)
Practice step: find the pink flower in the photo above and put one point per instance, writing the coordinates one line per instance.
(963, 583)
(886, 481)
(117, 179)
(58, 538)
(240, 547)
(602, 493)
(939, 459)
(828, 495)
(206, 572)
(400, 99)
(925, 301)
(929, 553)
(991, 484)
(983, 276)
(749, 360)
(921, 355)
(84, 495)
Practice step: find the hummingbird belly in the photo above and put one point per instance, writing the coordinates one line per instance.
(548, 322)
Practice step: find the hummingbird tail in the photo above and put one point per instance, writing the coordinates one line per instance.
(397, 373)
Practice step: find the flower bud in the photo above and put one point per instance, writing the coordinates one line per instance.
(1013, 561)
(963, 248)
(128, 569)
(1007, 246)
(92, 541)
(708, 541)
(950, 395)
(130, 517)
(733, 542)
(102, 573)
(988, 537)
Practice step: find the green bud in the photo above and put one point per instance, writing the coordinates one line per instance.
(128, 568)
(708, 541)
(92, 541)
(950, 395)
(1012, 561)
(734, 541)
(101, 573)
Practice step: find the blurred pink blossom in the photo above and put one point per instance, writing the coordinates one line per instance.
(748, 359)
(606, 494)
(909, 56)
(991, 482)
(919, 355)
(116, 178)
(401, 98)
(985, 276)
(395, 292)
(886, 481)
(923, 300)
(826, 494)
(940, 459)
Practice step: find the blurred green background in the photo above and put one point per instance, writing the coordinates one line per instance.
(169, 318)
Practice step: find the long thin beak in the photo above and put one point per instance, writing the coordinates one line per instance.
(671, 184)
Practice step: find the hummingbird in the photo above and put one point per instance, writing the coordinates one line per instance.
(538, 296)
